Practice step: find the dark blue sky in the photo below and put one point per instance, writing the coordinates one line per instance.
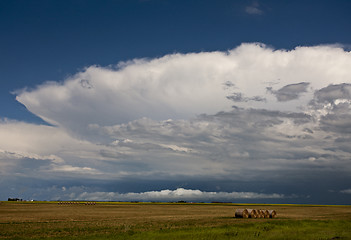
(50, 40)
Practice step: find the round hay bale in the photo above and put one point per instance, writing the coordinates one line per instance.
(261, 212)
(265, 213)
(272, 213)
(241, 213)
(252, 213)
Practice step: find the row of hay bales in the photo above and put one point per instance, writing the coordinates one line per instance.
(255, 213)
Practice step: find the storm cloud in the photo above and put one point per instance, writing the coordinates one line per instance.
(266, 119)
(289, 92)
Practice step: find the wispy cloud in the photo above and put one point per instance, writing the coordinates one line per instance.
(347, 191)
(254, 9)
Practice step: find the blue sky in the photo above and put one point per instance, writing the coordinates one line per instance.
(243, 101)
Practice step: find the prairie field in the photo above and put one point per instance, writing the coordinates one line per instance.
(104, 220)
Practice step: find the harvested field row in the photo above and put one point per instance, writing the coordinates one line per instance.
(76, 203)
(255, 213)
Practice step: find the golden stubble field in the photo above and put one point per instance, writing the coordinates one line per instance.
(155, 212)
(51, 219)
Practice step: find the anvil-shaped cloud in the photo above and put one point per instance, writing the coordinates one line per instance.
(181, 86)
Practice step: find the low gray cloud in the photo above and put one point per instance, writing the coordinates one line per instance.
(333, 92)
(336, 123)
(333, 107)
(231, 143)
(238, 97)
(23, 165)
(289, 92)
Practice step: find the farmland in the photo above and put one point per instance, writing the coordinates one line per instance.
(50, 220)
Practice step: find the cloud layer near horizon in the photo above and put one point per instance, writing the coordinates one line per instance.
(180, 194)
(252, 113)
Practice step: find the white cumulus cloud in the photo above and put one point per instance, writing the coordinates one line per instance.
(180, 194)
(181, 86)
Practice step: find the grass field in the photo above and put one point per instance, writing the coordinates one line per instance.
(49, 220)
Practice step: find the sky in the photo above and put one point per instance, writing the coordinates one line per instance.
(165, 100)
